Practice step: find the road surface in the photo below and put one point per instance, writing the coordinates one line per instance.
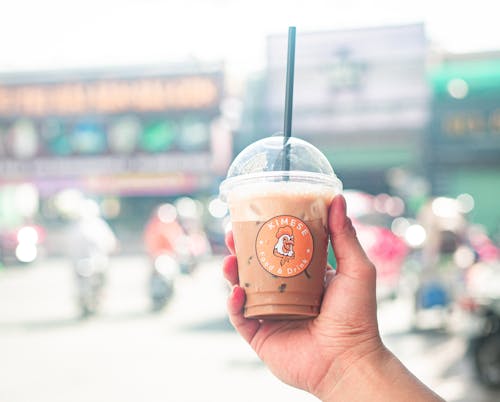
(188, 352)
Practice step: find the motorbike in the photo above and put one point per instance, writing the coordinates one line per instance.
(162, 281)
(483, 303)
(164, 235)
(90, 278)
(485, 345)
(186, 260)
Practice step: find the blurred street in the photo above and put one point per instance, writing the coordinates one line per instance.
(188, 352)
(124, 134)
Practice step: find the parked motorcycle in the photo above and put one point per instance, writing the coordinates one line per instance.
(483, 302)
(485, 345)
(162, 281)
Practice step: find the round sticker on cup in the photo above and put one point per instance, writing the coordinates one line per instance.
(284, 246)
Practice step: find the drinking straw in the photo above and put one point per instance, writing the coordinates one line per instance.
(290, 65)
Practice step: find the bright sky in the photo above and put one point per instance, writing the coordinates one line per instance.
(41, 34)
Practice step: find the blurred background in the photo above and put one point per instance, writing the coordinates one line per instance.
(118, 120)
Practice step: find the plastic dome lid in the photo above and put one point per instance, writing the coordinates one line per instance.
(265, 160)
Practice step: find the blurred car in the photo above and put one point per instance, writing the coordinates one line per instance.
(21, 244)
(372, 217)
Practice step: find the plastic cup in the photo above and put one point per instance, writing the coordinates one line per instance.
(279, 222)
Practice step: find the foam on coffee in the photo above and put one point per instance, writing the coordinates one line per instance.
(261, 201)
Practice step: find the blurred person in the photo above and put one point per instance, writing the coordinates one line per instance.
(441, 279)
(91, 241)
(90, 235)
(165, 240)
(164, 235)
(445, 228)
(339, 355)
(180, 236)
(190, 218)
(162, 231)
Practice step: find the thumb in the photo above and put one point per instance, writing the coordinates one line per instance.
(351, 258)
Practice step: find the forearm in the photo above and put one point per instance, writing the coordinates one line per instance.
(382, 378)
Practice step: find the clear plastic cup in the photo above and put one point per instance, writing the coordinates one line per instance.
(279, 222)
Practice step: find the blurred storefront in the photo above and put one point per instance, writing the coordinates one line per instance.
(462, 151)
(129, 137)
(391, 114)
(360, 95)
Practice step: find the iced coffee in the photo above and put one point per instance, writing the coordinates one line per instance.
(279, 222)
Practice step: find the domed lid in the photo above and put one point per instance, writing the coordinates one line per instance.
(279, 159)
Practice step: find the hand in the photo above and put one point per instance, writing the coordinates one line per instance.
(339, 354)
(314, 354)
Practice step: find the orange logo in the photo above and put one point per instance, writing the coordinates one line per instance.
(284, 246)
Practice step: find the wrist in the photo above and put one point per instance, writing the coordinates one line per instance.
(377, 376)
(355, 361)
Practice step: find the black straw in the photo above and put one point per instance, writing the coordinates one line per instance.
(290, 66)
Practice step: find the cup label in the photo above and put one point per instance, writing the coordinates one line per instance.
(284, 246)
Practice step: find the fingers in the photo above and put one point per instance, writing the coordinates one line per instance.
(350, 256)
(230, 242)
(230, 269)
(246, 328)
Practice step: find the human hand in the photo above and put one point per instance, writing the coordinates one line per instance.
(316, 354)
